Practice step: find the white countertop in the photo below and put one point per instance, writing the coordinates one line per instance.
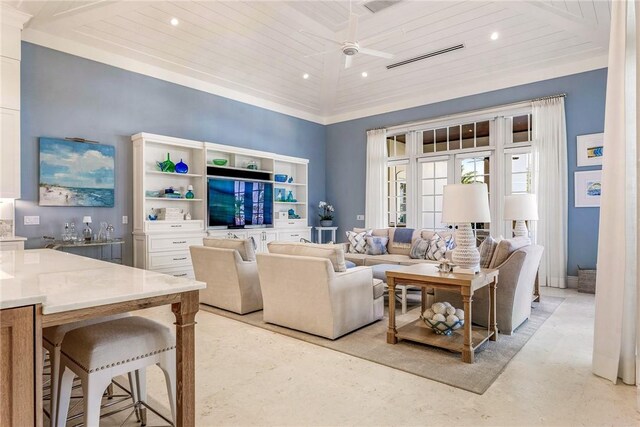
(62, 281)
(12, 239)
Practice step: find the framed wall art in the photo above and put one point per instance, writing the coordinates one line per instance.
(590, 149)
(76, 173)
(588, 187)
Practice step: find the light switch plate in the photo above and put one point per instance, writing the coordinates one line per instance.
(32, 220)
(360, 217)
(125, 219)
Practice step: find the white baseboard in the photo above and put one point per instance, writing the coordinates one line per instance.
(572, 282)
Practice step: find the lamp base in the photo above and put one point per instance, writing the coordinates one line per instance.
(463, 270)
(465, 256)
(520, 230)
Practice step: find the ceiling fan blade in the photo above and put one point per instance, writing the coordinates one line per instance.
(353, 27)
(375, 53)
(321, 37)
(348, 60)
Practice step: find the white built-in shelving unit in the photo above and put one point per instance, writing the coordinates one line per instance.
(164, 245)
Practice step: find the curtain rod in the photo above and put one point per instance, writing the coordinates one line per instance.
(558, 95)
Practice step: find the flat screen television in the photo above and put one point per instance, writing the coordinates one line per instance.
(239, 203)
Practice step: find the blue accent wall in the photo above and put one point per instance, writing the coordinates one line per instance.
(584, 105)
(68, 96)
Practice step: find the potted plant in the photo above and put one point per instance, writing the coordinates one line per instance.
(325, 212)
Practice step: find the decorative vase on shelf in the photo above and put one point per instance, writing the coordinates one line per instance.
(167, 165)
(326, 222)
(181, 167)
(189, 194)
(290, 196)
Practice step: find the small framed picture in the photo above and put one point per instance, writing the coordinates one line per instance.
(588, 187)
(281, 194)
(590, 149)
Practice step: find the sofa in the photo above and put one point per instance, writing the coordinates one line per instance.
(229, 268)
(397, 253)
(518, 262)
(307, 287)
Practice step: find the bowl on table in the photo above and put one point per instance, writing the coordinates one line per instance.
(220, 162)
(280, 177)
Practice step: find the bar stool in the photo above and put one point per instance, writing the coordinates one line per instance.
(98, 353)
(52, 340)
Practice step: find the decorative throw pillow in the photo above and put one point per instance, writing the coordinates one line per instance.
(437, 247)
(350, 264)
(487, 248)
(419, 249)
(376, 245)
(358, 241)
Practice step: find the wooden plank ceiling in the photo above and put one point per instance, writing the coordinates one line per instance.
(256, 47)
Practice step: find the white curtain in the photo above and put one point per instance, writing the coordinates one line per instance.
(617, 325)
(550, 185)
(376, 186)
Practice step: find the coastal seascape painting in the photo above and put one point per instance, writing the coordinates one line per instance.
(588, 189)
(76, 173)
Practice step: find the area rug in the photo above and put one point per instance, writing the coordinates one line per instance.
(370, 343)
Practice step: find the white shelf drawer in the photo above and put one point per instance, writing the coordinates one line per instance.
(166, 243)
(169, 259)
(169, 226)
(294, 235)
(185, 272)
(289, 223)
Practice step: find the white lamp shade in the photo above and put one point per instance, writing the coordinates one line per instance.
(464, 203)
(519, 207)
(86, 219)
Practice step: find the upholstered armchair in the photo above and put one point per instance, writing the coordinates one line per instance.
(232, 282)
(307, 294)
(513, 294)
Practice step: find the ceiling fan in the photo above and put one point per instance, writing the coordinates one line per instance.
(351, 46)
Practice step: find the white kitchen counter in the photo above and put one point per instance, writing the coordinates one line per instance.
(62, 281)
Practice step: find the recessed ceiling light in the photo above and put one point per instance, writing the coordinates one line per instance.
(364, 74)
(495, 35)
(174, 21)
(305, 76)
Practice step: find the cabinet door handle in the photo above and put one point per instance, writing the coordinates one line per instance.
(182, 242)
(295, 235)
(176, 225)
(180, 275)
(180, 259)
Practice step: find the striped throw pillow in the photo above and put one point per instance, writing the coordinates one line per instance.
(487, 248)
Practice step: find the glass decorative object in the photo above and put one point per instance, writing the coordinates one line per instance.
(102, 234)
(189, 194)
(290, 196)
(181, 167)
(167, 165)
(66, 236)
(110, 230)
(73, 234)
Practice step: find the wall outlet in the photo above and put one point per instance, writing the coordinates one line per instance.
(32, 220)
(125, 219)
(360, 217)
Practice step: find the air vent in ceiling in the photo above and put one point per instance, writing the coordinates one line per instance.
(425, 56)
(376, 6)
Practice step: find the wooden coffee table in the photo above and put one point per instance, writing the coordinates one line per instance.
(466, 339)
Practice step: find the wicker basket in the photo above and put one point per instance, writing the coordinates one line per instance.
(586, 280)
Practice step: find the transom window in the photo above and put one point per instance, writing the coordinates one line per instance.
(522, 128)
(456, 137)
(396, 145)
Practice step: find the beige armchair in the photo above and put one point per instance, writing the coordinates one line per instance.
(232, 283)
(513, 294)
(305, 293)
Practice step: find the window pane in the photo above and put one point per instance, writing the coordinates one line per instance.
(390, 147)
(519, 183)
(438, 200)
(428, 170)
(428, 141)
(441, 139)
(454, 138)
(468, 135)
(482, 134)
(401, 144)
(521, 128)
(438, 220)
(428, 203)
(440, 183)
(428, 220)
(519, 163)
(428, 186)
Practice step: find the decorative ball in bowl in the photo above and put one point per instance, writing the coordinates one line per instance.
(220, 162)
(443, 318)
(280, 177)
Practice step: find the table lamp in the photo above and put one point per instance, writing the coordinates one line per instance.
(521, 208)
(87, 232)
(463, 204)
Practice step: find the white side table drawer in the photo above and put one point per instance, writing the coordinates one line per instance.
(164, 243)
(169, 259)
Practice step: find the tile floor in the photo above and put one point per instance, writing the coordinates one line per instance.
(250, 376)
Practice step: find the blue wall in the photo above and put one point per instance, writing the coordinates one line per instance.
(67, 96)
(585, 102)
